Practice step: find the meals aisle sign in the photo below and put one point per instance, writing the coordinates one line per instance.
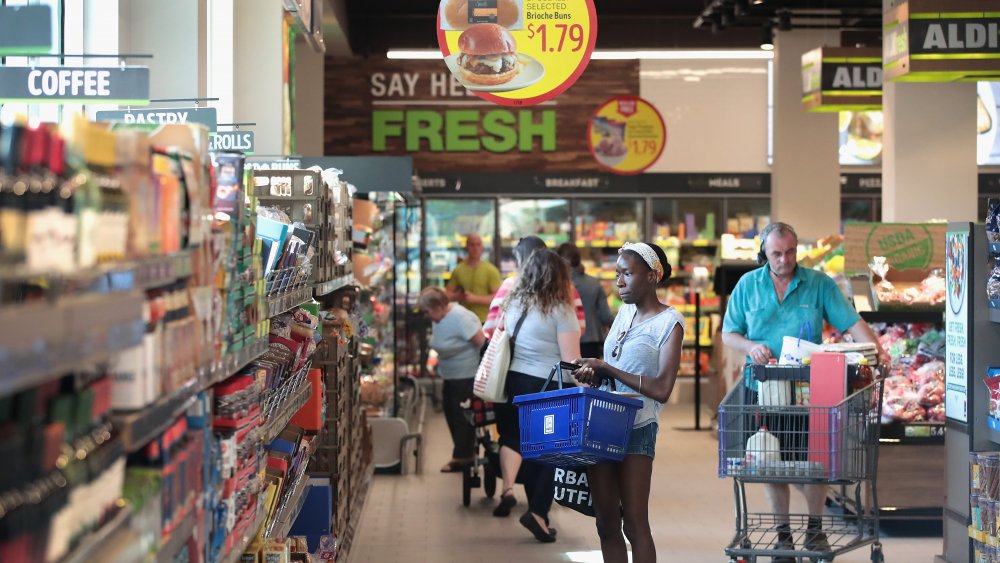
(416, 107)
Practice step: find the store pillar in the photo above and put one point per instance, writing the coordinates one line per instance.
(258, 78)
(805, 181)
(929, 160)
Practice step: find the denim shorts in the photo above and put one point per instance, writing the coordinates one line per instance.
(642, 441)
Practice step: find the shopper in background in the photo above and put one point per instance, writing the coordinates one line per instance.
(595, 303)
(457, 338)
(474, 281)
(549, 334)
(768, 304)
(643, 358)
(522, 251)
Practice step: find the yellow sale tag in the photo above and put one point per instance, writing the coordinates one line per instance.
(627, 135)
(517, 52)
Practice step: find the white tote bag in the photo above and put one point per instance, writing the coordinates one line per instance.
(491, 376)
(795, 350)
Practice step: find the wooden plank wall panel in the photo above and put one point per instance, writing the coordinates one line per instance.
(349, 105)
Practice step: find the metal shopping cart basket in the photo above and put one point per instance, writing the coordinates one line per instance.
(786, 441)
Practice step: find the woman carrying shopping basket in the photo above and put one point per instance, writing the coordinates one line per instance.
(542, 304)
(642, 354)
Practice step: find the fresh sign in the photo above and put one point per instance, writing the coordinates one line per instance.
(128, 85)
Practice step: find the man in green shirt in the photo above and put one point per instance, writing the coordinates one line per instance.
(777, 300)
(474, 281)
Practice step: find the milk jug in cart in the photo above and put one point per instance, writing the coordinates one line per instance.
(763, 449)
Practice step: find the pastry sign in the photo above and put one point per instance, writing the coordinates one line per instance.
(164, 116)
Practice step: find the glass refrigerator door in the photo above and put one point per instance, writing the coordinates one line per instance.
(746, 217)
(447, 223)
(546, 218)
(601, 226)
(688, 231)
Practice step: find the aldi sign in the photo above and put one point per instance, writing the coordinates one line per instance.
(842, 79)
(942, 40)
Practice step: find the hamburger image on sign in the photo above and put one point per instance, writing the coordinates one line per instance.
(488, 55)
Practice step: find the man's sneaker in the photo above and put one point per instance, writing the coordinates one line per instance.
(785, 543)
(816, 541)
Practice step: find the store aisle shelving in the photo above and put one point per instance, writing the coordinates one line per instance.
(420, 518)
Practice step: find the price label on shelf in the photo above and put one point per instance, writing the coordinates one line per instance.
(517, 52)
(627, 135)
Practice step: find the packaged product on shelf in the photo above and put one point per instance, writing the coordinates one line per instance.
(914, 386)
(907, 288)
(993, 220)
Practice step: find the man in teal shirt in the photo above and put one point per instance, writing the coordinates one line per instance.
(781, 299)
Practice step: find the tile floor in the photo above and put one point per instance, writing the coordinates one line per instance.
(420, 518)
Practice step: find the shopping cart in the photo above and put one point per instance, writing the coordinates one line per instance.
(485, 469)
(808, 445)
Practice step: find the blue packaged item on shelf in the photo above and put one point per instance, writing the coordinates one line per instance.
(316, 517)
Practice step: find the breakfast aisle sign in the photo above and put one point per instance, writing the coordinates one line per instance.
(627, 135)
(517, 52)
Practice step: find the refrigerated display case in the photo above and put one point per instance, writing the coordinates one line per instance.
(548, 219)
(448, 223)
(601, 226)
(861, 208)
(746, 217)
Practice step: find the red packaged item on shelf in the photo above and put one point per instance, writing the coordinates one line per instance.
(310, 416)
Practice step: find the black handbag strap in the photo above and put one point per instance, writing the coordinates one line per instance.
(517, 329)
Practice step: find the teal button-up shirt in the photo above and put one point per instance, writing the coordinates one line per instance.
(754, 312)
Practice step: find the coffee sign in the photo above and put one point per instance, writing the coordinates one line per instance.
(942, 40)
(110, 85)
(842, 79)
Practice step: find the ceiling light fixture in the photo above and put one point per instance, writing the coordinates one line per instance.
(767, 37)
(784, 20)
(663, 55)
(758, 2)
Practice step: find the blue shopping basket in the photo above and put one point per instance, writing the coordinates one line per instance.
(576, 426)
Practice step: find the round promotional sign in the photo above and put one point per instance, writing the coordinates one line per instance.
(627, 135)
(517, 52)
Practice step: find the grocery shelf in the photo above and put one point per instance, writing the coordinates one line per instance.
(178, 539)
(140, 427)
(76, 332)
(249, 534)
(994, 315)
(224, 368)
(914, 433)
(286, 411)
(284, 302)
(162, 270)
(128, 275)
(994, 426)
(94, 542)
(333, 285)
(925, 316)
(356, 512)
(290, 506)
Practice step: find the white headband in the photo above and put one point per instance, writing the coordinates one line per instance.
(648, 255)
